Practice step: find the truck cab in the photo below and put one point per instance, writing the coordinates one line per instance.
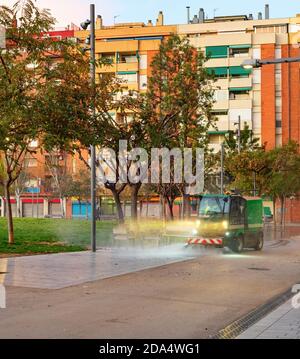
(229, 221)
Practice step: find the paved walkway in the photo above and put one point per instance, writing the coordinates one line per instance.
(56, 271)
(282, 323)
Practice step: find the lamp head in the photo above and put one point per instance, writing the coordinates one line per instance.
(84, 25)
(251, 64)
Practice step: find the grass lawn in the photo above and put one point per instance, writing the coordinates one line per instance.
(52, 235)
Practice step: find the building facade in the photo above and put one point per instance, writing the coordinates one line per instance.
(267, 99)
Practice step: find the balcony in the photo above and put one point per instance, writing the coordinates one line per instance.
(127, 66)
(120, 67)
(240, 104)
(240, 82)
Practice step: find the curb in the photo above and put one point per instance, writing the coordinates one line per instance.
(239, 326)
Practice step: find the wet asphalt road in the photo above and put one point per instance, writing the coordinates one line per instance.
(190, 299)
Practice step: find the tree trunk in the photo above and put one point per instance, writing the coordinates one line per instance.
(274, 212)
(281, 210)
(186, 206)
(118, 205)
(170, 207)
(134, 200)
(10, 225)
(61, 200)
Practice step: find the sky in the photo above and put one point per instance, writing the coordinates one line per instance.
(67, 11)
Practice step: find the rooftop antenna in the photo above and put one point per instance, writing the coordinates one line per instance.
(188, 14)
(115, 17)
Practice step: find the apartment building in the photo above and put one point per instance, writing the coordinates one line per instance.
(130, 47)
(266, 98)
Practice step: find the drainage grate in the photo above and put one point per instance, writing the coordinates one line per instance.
(239, 326)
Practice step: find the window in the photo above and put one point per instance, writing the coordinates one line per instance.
(257, 76)
(219, 112)
(257, 53)
(108, 58)
(239, 52)
(240, 94)
(238, 72)
(128, 77)
(216, 52)
(237, 211)
(127, 58)
(30, 162)
(143, 82)
(213, 206)
(143, 62)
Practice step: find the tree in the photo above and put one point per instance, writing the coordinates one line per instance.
(242, 168)
(43, 92)
(276, 173)
(247, 140)
(284, 174)
(118, 120)
(178, 102)
(19, 74)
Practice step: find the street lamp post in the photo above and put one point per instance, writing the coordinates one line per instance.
(254, 63)
(222, 167)
(92, 42)
(238, 124)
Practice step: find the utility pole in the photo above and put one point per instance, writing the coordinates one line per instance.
(254, 183)
(239, 134)
(222, 167)
(93, 148)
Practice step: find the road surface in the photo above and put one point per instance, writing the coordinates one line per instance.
(190, 299)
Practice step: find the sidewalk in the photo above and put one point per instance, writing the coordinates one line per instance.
(282, 323)
(56, 271)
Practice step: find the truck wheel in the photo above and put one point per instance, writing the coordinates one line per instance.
(260, 242)
(238, 244)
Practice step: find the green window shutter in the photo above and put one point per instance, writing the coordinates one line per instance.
(127, 72)
(239, 70)
(218, 132)
(216, 52)
(240, 47)
(240, 89)
(217, 71)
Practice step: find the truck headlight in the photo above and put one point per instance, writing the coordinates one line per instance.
(225, 224)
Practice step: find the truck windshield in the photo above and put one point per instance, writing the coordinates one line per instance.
(210, 206)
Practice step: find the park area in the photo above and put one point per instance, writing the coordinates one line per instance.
(41, 236)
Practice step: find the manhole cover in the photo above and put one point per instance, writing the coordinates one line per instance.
(259, 269)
